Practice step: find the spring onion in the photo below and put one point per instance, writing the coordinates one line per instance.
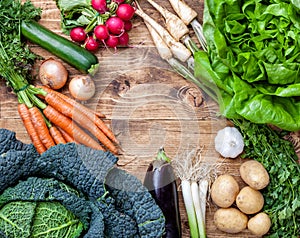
(195, 176)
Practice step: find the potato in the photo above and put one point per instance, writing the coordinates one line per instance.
(249, 200)
(254, 174)
(259, 224)
(230, 220)
(224, 190)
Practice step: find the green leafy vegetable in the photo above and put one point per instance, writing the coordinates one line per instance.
(11, 15)
(82, 189)
(282, 195)
(253, 58)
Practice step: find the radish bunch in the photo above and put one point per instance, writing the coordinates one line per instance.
(112, 31)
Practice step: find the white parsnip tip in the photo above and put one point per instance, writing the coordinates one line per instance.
(186, 13)
(174, 24)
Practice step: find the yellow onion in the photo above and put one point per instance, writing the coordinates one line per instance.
(82, 87)
(53, 73)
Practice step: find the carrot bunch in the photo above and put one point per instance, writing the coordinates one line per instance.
(61, 120)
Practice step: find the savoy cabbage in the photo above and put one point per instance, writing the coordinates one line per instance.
(71, 191)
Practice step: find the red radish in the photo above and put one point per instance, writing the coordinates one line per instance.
(124, 39)
(99, 5)
(78, 34)
(91, 44)
(127, 25)
(125, 11)
(101, 32)
(112, 41)
(115, 25)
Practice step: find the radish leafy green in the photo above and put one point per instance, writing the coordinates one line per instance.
(253, 58)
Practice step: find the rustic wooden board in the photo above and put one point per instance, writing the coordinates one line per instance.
(146, 104)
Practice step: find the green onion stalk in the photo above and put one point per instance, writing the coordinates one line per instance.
(195, 176)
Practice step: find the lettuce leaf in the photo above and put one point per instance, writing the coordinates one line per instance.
(253, 58)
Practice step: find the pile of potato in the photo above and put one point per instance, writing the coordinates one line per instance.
(240, 209)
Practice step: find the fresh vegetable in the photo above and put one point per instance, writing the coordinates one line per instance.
(71, 53)
(176, 27)
(57, 135)
(224, 190)
(115, 25)
(249, 200)
(252, 58)
(82, 87)
(71, 128)
(91, 44)
(41, 127)
(125, 11)
(12, 12)
(101, 32)
(115, 15)
(230, 220)
(259, 224)
(124, 39)
(99, 5)
(26, 118)
(254, 174)
(195, 177)
(161, 182)
(229, 142)
(278, 156)
(77, 107)
(104, 200)
(167, 54)
(78, 34)
(189, 17)
(177, 48)
(53, 73)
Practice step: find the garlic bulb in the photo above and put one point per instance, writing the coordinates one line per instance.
(229, 142)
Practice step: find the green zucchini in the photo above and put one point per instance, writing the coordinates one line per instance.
(71, 53)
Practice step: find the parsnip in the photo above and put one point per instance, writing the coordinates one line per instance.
(186, 13)
(174, 24)
(178, 49)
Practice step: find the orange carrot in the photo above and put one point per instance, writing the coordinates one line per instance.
(68, 110)
(74, 103)
(70, 127)
(67, 137)
(41, 127)
(89, 113)
(57, 135)
(25, 116)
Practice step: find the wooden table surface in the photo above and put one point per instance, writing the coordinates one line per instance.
(147, 105)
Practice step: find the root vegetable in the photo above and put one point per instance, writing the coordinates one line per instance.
(254, 174)
(125, 11)
(53, 73)
(91, 44)
(78, 34)
(115, 25)
(230, 220)
(249, 200)
(259, 224)
(82, 87)
(224, 190)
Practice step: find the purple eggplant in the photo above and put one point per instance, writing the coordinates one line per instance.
(161, 182)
